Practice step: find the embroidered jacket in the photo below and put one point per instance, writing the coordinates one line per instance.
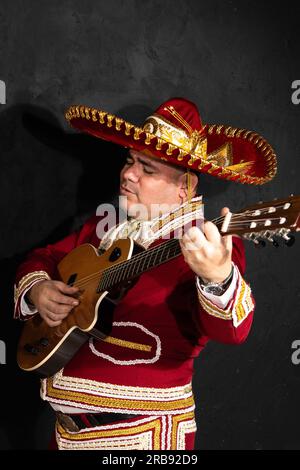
(161, 325)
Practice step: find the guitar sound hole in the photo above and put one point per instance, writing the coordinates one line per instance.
(72, 279)
(115, 255)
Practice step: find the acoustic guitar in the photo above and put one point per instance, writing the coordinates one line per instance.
(104, 278)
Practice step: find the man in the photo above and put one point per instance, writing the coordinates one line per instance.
(133, 390)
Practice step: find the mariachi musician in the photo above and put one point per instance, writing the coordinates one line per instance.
(133, 390)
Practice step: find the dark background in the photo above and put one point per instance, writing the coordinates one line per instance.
(236, 60)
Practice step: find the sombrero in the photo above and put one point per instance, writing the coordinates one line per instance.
(175, 133)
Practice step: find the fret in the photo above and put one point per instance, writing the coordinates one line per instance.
(129, 270)
(138, 267)
(151, 260)
(104, 282)
(156, 253)
(126, 271)
(161, 257)
(117, 275)
(144, 265)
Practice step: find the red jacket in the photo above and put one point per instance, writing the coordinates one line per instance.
(163, 312)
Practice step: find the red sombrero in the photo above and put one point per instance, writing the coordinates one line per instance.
(174, 133)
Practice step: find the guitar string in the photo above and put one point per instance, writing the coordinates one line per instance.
(263, 210)
(140, 256)
(147, 254)
(136, 258)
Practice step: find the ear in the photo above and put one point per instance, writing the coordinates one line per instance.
(183, 185)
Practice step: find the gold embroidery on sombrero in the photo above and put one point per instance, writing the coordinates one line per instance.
(194, 143)
(191, 149)
(222, 156)
(242, 167)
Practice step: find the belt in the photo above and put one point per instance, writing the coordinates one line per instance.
(76, 422)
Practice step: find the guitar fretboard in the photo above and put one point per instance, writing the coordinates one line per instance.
(127, 270)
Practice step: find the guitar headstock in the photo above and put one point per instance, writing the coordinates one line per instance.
(266, 220)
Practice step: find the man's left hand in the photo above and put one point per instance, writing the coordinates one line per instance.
(209, 253)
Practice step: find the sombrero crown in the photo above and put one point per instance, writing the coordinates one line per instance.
(175, 133)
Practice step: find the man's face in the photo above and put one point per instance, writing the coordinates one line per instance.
(147, 181)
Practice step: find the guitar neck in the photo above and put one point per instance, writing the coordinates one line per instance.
(262, 220)
(144, 261)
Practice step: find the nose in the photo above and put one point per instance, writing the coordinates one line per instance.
(131, 172)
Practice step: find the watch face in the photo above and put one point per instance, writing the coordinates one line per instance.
(215, 290)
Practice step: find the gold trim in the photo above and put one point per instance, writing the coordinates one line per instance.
(149, 137)
(102, 114)
(109, 118)
(212, 309)
(94, 112)
(116, 403)
(159, 143)
(258, 141)
(170, 149)
(128, 128)
(175, 422)
(28, 279)
(137, 133)
(127, 344)
(87, 114)
(118, 123)
(154, 426)
(181, 155)
(82, 113)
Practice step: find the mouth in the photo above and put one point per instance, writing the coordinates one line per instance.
(125, 190)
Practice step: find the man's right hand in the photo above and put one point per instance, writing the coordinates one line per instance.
(53, 300)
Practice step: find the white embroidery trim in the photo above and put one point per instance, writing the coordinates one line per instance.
(115, 390)
(134, 361)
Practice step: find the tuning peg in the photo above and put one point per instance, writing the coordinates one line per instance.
(273, 241)
(290, 241)
(259, 243)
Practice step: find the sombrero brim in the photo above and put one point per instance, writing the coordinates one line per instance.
(253, 159)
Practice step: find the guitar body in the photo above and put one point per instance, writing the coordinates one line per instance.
(47, 349)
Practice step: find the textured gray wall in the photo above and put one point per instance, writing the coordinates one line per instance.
(237, 61)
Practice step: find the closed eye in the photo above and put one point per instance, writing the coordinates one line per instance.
(130, 161)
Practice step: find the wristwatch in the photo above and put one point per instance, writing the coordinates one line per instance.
(216, 288)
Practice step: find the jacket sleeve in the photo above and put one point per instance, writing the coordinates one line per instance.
(232, 323)
(41, 263)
